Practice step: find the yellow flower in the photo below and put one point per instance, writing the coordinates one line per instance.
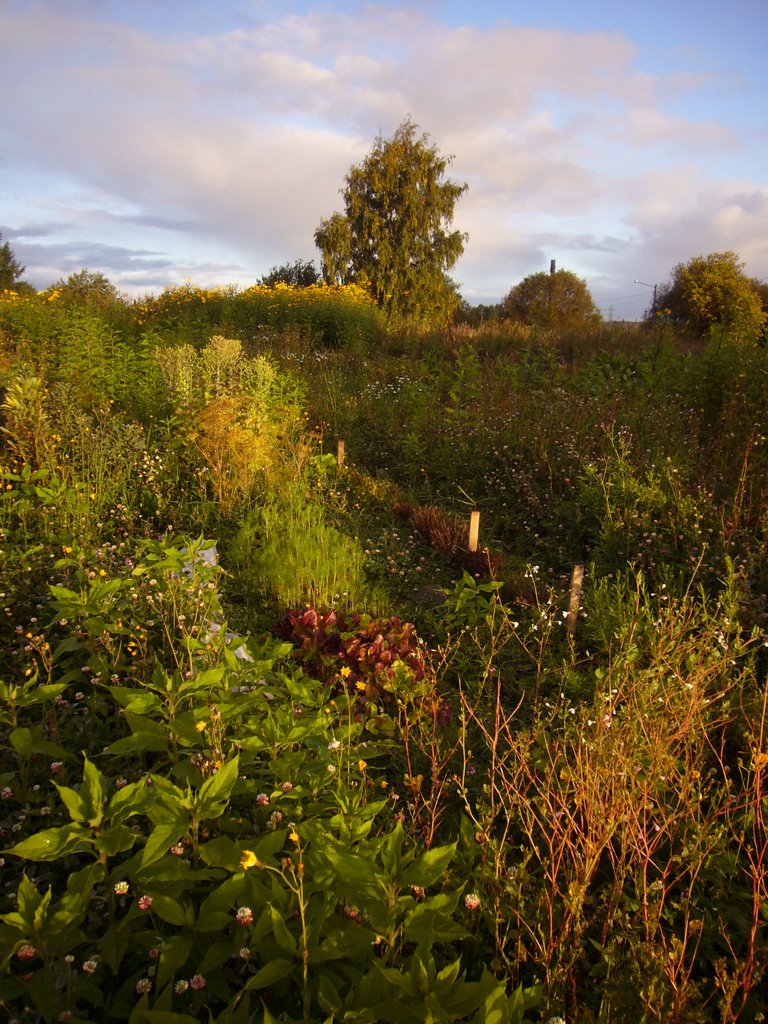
(346, 672)
(250, 860)
(294, 837)
(414, 782)
(67, 549)
(360, 685)
(201, 726)
(362, 765)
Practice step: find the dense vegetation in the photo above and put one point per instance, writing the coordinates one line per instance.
(278, 746)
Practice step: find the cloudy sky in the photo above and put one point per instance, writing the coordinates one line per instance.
(160, 140)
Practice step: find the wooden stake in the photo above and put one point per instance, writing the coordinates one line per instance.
(474, 530)
(577, 578)
(340, 455)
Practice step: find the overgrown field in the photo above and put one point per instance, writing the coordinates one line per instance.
(276, 745)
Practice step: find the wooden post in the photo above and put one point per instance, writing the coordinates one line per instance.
(474, 530)
(340, 455)
(577, 578)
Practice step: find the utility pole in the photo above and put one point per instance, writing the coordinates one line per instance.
(646, 285)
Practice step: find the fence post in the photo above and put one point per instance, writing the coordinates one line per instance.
(577, 578)
(474, 530)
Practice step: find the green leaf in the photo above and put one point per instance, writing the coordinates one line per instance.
(392, 857)
(353, 870)
(114, 840)
(161, 839)
(173, 911)
(21, 741)
(142, 741)
(221, 852)
(283, 937)
(215, 792)
(270, 973)
(174, 952)
(141, 1015)
(75, 804)
(28, 899)
(430, 866)
(77, 898)
(95, 786)
(52, 843)
(132, 799)
(216, 956)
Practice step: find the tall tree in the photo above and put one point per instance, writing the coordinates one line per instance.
(714, 290)
(10, 268)
(394, 237)
(559, 301)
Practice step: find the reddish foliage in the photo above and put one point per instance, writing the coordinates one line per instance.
(356, 653)
(450, 535)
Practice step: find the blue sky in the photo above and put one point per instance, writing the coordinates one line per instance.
(160, 141)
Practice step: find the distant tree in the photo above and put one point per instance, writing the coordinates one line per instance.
(476, 316)
(89, 287)
(300, 273)
(558, 301)
(711, 290)
(10, 268)
(394, 237)
(761, 288)
(333, 238)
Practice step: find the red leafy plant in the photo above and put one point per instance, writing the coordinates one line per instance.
(356, 653)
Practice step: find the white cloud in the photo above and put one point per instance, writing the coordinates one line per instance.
(236, 143)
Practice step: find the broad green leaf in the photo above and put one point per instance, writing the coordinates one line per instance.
(222, 852)
(116, 839)
(173, 911)
(132, 799)
(74, 802)
(215, 792)
(161, 839)
(327, 996)
(141, 741)
(52, 843)
(28, 899)
(94, 789)
(271, 843)
(216, 955)
(141, 1015)
(21, 741)
(79, 886)
(430, 866)
(283, 937)
(208, 679)
(271, 972)
(353, 869)
(392, 857)
(174, 952)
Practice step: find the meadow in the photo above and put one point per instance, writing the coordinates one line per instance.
(278, 746)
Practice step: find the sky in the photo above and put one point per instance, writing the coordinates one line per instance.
(163, 141)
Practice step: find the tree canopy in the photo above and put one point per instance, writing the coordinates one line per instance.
(714, 290)
(300, 274)
(394, 237)
(10, 268)
(558, 301)
(87, 286)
